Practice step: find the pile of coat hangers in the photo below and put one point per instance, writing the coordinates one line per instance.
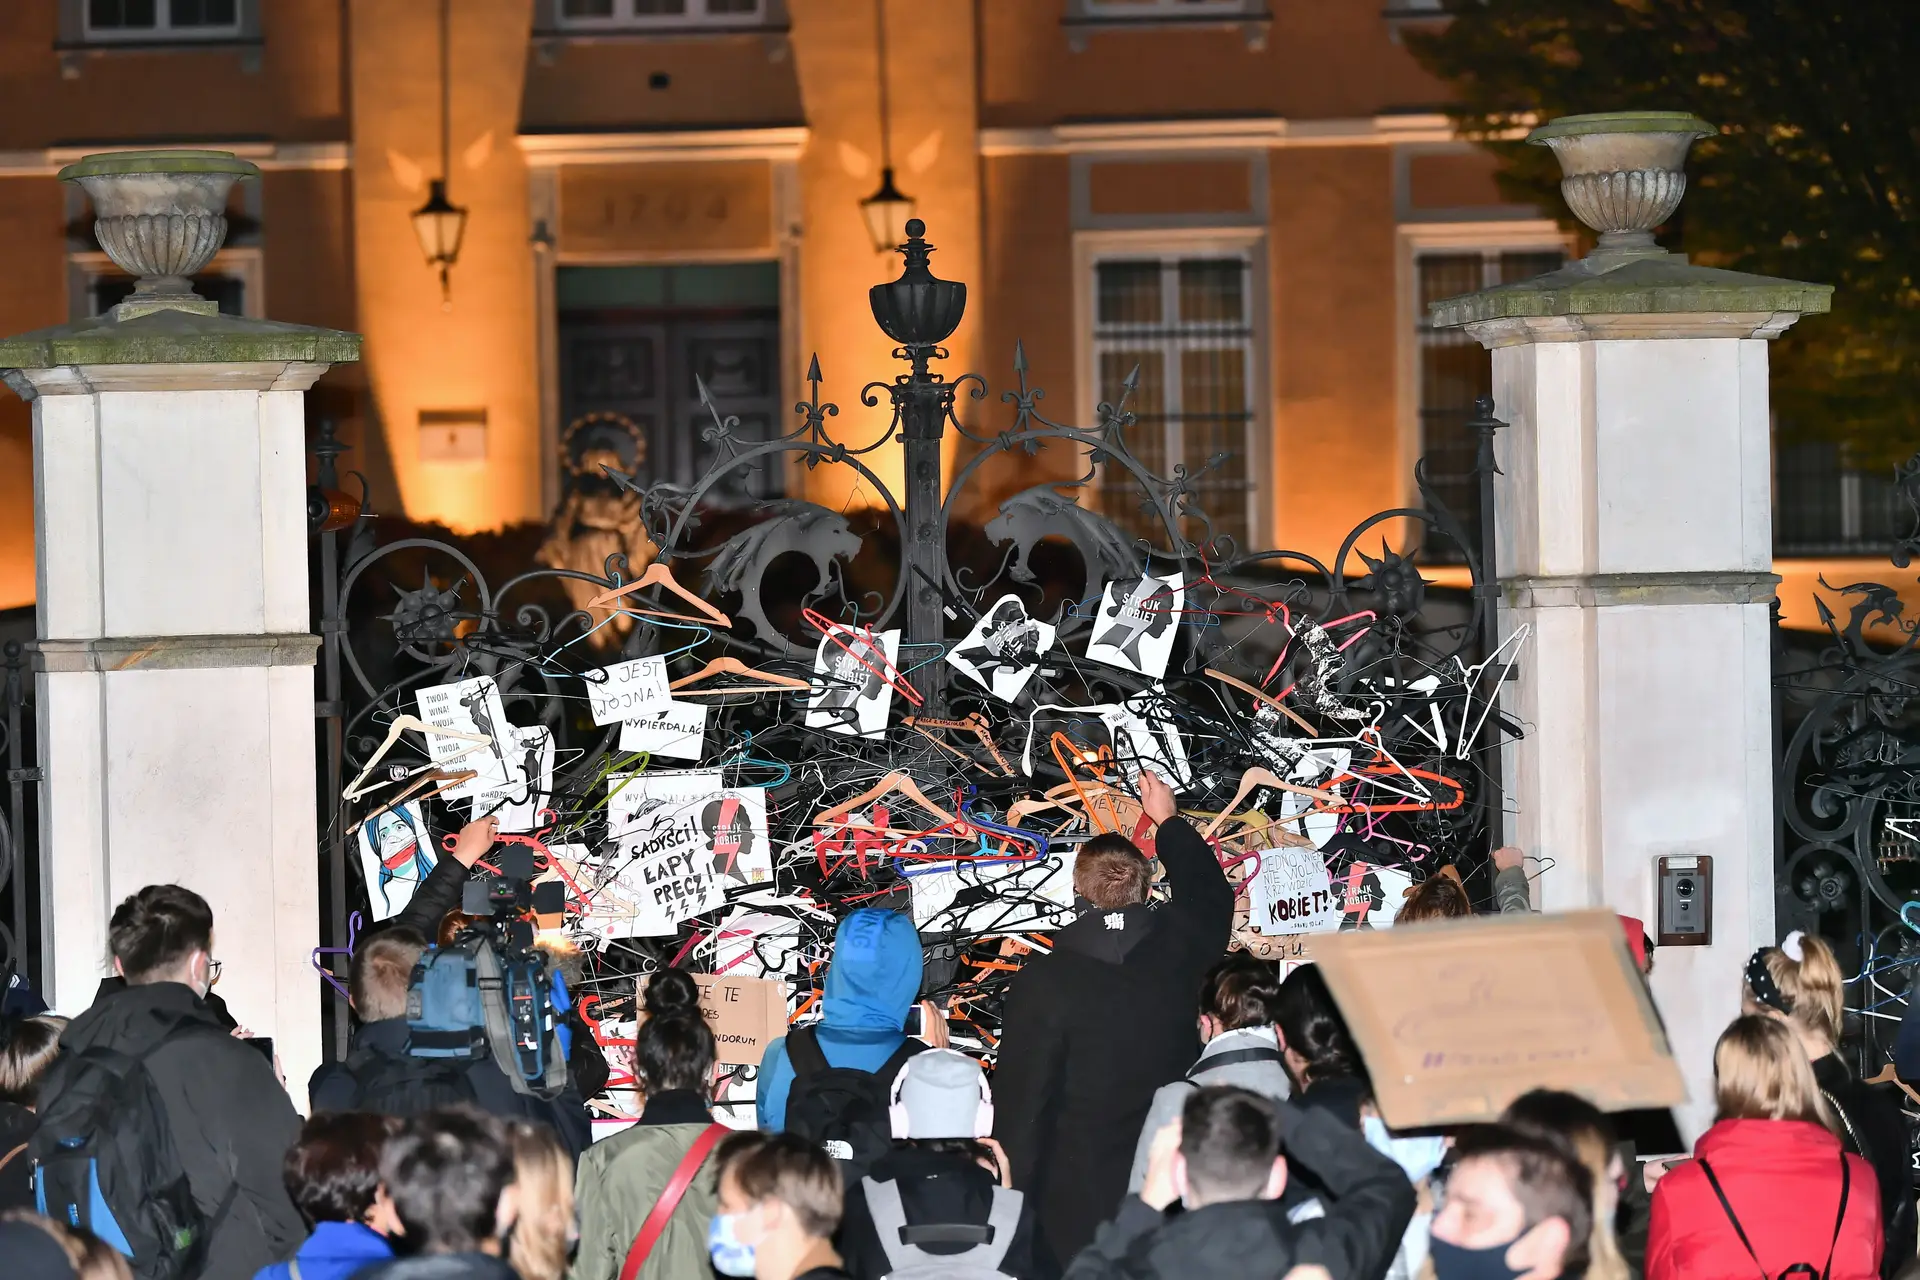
(1277, 730)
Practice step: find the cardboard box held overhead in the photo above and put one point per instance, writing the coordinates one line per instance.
(1456, 1019)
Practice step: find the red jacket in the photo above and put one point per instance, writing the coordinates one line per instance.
(1782, 1178)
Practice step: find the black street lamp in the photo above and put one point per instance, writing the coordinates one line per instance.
(888, 211)
(439, 223)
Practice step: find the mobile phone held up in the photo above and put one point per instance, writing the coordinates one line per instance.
(916, 1019)
(264, 1044)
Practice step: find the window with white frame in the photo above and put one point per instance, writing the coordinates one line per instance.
(628, 15)
(1185, 321)
(106, 21)
(1455, 370)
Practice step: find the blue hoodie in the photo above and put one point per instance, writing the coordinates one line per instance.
(334, 1251)
(871, 983)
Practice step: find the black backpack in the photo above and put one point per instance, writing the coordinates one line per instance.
(844, 1109)
(104, 1159)
(399, 1084)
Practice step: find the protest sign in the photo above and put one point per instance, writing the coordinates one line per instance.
(396, 854)
(683, 839)
(1134, 627)
(1291, 892)
(626, 690)
(851, 693)
(676, 729)
(744, 1014)
(473, 706)
(1458, 1018)
(519, 809)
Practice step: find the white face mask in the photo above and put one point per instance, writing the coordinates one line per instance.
(730, 1256)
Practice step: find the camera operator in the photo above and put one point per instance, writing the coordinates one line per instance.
(381, 1074)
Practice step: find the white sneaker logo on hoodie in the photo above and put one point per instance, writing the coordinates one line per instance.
(1116, 920)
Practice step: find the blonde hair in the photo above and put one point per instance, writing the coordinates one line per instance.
(90, 1257)
(1761, 1072)
(25, 1056)
(1813, 986)
(543, 1172)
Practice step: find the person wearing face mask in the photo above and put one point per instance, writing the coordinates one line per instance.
(1582, 1130)
(1236, 1026)
(1517, 1208)
(450, 1175)
(218, 1099)
(780, 1201)
(1094, 1029)
(1227, 1160)
(333, 1175)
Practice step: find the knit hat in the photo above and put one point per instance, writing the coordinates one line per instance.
(942, 1094)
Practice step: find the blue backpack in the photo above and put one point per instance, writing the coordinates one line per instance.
(464, 1001)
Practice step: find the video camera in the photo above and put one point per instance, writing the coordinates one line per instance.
(499, 902)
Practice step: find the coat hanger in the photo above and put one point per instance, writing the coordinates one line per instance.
(1259, 777)
(892, 783)
(400, 725)
(771, 682)
(447, 780)
(1262, 696)
(658, 575)
(975, 724)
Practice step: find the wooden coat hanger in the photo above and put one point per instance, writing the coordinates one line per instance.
(447, 780)
(975, 724)
(771, 682)
(1262, 696)
(658, 575)
(892, 783)
(1258, 777)
(400, 724)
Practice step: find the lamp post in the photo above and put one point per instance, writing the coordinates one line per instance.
(439, 223)
(888, 211)
(920, 311)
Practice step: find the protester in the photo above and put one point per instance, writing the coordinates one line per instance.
(1511, 893)
(1227, 1160)
(28, 1047)
(37, 1248)
(779, 1205)
(937, 1199)
(625, 1179)
(1581, 1130)
(450, 1175)
(379, 1073)
(1440, 896)
(1317, 1049)
(543, 1231)
(1237, 1000)
(1770, 1185)
(1800, 983)
(1092, 1030)
(214, 1114)
(333, 1175)
(1517, 1207)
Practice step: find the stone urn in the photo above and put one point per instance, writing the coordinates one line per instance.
(161, 216)
(1624, 173)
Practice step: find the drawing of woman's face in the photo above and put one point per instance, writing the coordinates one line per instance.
(393, 834)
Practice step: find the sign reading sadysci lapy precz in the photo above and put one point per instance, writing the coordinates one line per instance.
(684, 839)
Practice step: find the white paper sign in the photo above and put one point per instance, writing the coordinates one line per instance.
(520, 810)
(473, 706)
(850, 693)
(396, 855)
(684, 840)
(627, 690)
(676, 729)
(1003, 649)
(1292, 893)
(1151, 743)
(1135, 626)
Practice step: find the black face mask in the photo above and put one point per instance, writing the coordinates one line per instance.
(1451, 1262)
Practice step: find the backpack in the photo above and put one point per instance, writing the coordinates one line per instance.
(844, 1109)
(907, 1260)
(404, 1085)
(465, 1002)
(1798, 1268)
(104, 1158)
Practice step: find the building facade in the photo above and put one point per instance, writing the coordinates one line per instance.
(1251, 201)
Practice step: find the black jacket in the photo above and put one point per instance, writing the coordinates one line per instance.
(440, 1266)
(17, 1124)
(1094, 1029)
(333, 1088)
(936, 1187)
(232, 1122)
(1872, 1126)
(1245, 1239)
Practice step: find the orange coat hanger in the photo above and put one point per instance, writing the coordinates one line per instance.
(975, 724)
(889, 785)
(658, 575)
(1262, 696)
(771, 682)
(400, 725)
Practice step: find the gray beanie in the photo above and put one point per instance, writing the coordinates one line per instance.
(941, 1091)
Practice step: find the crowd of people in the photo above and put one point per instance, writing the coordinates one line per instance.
(1159, 1107)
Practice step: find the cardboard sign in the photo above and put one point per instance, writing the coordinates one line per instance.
(1456, 1019)
(744, 1014)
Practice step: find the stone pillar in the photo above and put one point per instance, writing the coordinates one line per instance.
(1635, 540)
(173, 675)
